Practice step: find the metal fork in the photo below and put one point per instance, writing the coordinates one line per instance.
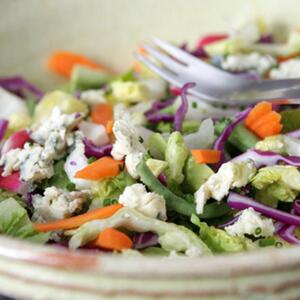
(212, 84)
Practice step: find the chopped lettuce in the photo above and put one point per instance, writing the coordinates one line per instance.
(65, 102)
(17, 121)
(14, 222)
(172, 237)
(277, 183)
(110, 188)
(7, 194)
(195, 175)
(219, 240)
(157, 146)
(176, 155)
(156, 166)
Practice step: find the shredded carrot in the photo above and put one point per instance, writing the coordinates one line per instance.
(281, 59)
(112, 239)
(142, 50)
(102, 113)
(109, 126)
(62, 63)
(258, 111)
(74, 222)
(269, 129)
(102, 168)
(271, 117)
(206, 156)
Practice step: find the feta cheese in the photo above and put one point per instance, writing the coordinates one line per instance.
(93, 97)
(217, 186)
(55, 133)
(245, 62)
(287, 69)
(131, 161)
(57, 204)
(252, 223)
(33, 162)
(75, 162)
(149, 204)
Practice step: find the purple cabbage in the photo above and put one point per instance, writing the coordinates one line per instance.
(98, 152)
(237, 201)
(3, 128)
(163, 179)
(18, 85)
(266, 39)
(145, 240)
(157, 117)
(221, 140)
(267, 158)
(230, 222)
(157, 105)
(183, 108)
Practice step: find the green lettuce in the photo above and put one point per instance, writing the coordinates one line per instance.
(219, 240)
(110, 188)
(176, 155)
(277, 183)
(14, 222)
(172, 237)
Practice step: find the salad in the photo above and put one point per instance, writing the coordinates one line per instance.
(130, 164)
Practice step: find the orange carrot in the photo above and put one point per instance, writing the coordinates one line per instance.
(109, 126)
(112, 239)
(102, 113)
(258, 111)
(62, 63)
(281, 59)
(271, 117)
(74, 222)
(101, 168)
(281, 101)
(269, 129)
(206, 156)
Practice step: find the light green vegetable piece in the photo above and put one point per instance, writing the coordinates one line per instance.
(14, 222)
(219, 240)
(17, 121)
(157, 146)
(172, 237)
(290, 119)
(110, 188)
(66, 102)
(83, 78)
(195, 175)
(281, 144)
(176, 155)
(156, 166)
(277, 183)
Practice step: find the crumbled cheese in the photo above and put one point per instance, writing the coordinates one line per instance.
(217, 186)
(131, 161)
(33, 162)
(55, 133)
(246, 62)
(93, 97)
(252, 223)
(57, 204)
(287, 69)
(150, 204)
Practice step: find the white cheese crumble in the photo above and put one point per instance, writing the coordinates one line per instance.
(33, 162)
(217, 186)
(245, 62)
(252, 223)
(57, 204)
(93, 97)
(55, 133)
(150, 204)
(287, 69)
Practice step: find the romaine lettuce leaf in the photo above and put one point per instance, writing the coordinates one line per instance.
(14, 222)
(219, 240)
(172, 237)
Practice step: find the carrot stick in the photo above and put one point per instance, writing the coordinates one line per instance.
(206, 156)
(271, 117)
(281, 59)
(101, 168)
(62, 63)
(269, 130)
(112, 239)
(74, 222)
(258, 111)
(109, 126)
(102, 113)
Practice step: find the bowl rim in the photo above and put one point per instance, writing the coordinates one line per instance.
(257, 261)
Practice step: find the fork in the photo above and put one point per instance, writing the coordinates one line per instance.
(212, 84)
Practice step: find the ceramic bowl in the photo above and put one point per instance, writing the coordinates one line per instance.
(108, 31)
